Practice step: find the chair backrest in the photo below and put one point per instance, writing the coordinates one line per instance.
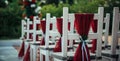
(50, 32)
(115, 29)
(106, 30)
(28, 30)
(23, 28)
(98, 35)
(36, 32)
(31, 28)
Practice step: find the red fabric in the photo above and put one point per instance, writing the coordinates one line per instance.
(38, 26)
(94, 41)
(78, 53)
(58, 46)
(33, 1)
(94, 45)
(31, 17)
(82, 23)
(42, 42)
(51, 25)
(69, 26)
(94, 25)
(26, 3)
(43, 26)
(30, 36)
(37, 38)
(59, 25)
(31, 26)
(27, 55)
(21, 51)
(82, 26)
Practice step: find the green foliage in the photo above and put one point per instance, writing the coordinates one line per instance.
(10, 15)
(10, 21)
(2, 4)
(53, 10)
(82, 6)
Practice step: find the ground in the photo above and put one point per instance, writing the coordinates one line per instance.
(9, 49)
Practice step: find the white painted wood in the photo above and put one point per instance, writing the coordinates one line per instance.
(115, 29)
(34, 32)
(71, 20)
(65, 31)
(53, 33)
(115, 35)
(75, 36)
(33, 52)
(27, 29)
(34, 29)
(100, 26)
(53, 22)
(47, 29)
(106, 21)
(23, 28)
(34, 47)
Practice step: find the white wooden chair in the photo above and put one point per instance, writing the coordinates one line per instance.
(35, 46)
(113, 53)
(22, 38)
(23, 27)
(33, 32)
(46, 49)
(64, 55)
(54, 33)
(28, 31)
(105, 34)
(36, 42)
(106, 30)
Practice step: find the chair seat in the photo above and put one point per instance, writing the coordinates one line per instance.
(50, 47)
(109, 46)
(70, 55)
(108, 53)
(89, 46)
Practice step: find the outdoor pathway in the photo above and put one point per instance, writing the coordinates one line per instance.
(8, 52)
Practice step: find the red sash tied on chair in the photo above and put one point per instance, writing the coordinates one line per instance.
(21, 51)
(27, 54)
(43, 28)
(30, 34)
(82, 25)
(59, 28)
(94, 41)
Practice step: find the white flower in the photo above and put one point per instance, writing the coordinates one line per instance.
(6, 2)
(32, 5)
(37, 9)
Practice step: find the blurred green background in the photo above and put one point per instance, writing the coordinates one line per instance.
(11, 12)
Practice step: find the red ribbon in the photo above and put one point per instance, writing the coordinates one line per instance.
(94, 41)
(21, 51)
(82, 26)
